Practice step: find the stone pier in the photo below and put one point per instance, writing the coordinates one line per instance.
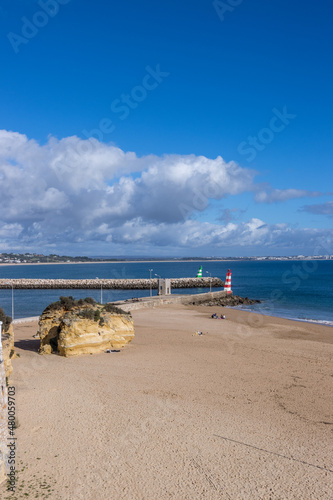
(160, 300)
(120, 284)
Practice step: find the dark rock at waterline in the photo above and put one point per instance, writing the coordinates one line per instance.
(229, 300)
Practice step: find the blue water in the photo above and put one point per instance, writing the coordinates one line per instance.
(300, 290)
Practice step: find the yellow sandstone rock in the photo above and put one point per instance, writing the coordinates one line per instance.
(83, 329)
(8, 349)
(7, 352)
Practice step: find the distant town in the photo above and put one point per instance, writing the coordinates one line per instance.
(34, 258)
(38, 258)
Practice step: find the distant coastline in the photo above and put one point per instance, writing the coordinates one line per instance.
(113, 262)
(143, 261)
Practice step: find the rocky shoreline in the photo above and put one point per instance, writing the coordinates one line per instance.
(228, 300)
(122, 284)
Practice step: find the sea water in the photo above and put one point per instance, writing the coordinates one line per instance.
(301, 290)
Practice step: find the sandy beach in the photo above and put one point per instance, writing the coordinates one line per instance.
(243, 411)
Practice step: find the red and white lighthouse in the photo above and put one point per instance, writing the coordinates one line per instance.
(227, 284)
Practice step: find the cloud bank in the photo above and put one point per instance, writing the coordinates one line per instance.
(281, 195)
(86, 196)
(320, 209)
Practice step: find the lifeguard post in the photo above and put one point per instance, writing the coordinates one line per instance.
(164, 286)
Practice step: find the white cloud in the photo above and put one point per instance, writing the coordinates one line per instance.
(192, 234)
(320, 209)
(280, 195)
(74, 185)
(9, 231)
(85, 196)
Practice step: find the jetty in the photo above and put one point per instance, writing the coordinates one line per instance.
(116, 284)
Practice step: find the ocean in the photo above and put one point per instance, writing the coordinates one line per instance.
(299, 290)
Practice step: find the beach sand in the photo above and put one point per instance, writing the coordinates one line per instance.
(243, 411)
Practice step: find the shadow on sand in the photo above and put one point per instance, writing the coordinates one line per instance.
(28, 345)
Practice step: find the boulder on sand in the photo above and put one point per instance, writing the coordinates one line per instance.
(74, 327)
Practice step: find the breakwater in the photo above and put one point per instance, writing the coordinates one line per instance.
(120, 284)
(149, 302)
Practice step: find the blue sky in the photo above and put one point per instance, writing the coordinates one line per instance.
(166, 128)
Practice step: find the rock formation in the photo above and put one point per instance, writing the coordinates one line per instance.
(7, 352)
(73, 327)
(228, 300)
(3, 419)
(7, 340)
(8, 349)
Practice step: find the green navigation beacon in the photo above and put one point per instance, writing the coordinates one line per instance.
(199, 273)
